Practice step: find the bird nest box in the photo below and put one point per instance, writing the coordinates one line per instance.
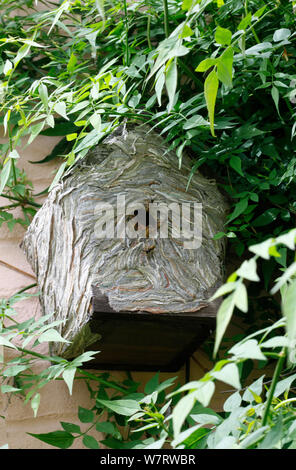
(124, 255)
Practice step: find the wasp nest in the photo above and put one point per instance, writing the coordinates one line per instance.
(100, 226)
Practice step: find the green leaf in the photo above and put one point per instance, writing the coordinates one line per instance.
(21, 53)
(9, 389)
(5, 173)
(87, 356)
(289, 272)
(171, 77)
(262, 249)
(186, 4)
(186, 32)
(156, 444)
(224, 67)
(239, 209)
(91, 139)
(205, 392)
(241, 297)
(252, 438)
(51, 335)
(8, 67)
(276, 342)
(160, 81)
(112, 443)
(79, 106)
(254, 389)
(167, 383)
(223, 36)
(60, 108)
(185, 435)
(43, 93)
(211, 89)
(269, 216)
(205, 418)
(206, 64)
(68, 376)
(225, 289)
(96, 121)
(58, 175)
(236, 163)
(152, 384)
(245, 22)
(80, 123)
(188, 386)
(35, 130)
(288, 239)
(197, 440)
(121, 407)
(59, 11)
(14, 154)
(60, 439)
(232, 402)
(260, 12)
(195, 121)
(107, 428)
(274, 436)
(223, 318)
(228, 374)
(247, 350)
(248, 270)
(181, 411)
(284, 385)
(101, 9)
(6, 120)
(14, 370)
(35, 402)
(5, 342)
(281, 34)
(90, 442)
(72, 62)
(70, 427)
(289, 309)
(227, 442)
(71, 137)
(275, 96)
(84, 415)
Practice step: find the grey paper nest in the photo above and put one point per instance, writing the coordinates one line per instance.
(153, 275)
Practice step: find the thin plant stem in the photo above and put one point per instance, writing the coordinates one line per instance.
(10, 206)
(12, 159)
(275, 379)
(252, 29)
(148, 32)
(13, 172)
(14, 268)
(126, 35)
(22, 201)
(285, 402)
(166, 18)
(26, 288)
